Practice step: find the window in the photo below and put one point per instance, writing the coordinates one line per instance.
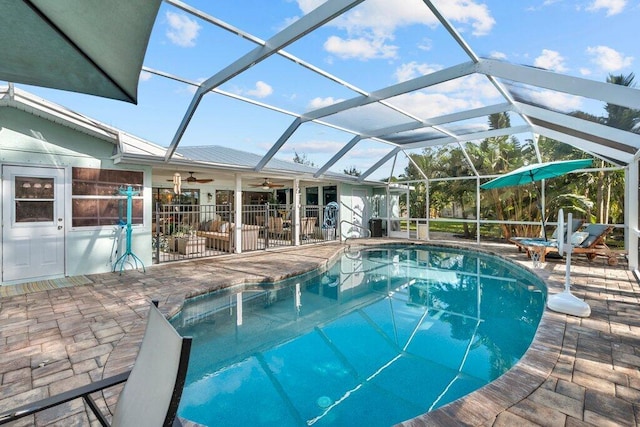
(330, 194)
(255, 197)
(34, 199)
(283, 195)
(312, 196)
(97, 197)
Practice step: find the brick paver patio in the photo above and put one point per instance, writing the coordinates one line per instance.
(578, 372)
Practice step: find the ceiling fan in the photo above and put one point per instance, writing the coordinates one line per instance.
(191, 179)
(266, 185)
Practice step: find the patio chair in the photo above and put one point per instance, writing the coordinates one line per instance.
(152, 389)
(278, 229)
(589, 241)
(522, 242)
(307, 227)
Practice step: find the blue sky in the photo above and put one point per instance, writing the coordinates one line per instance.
(376, 44)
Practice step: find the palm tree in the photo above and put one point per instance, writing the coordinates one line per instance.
(622, 117)
(618, 117)
(496, 156)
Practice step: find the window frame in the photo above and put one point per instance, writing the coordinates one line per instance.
(96, 184)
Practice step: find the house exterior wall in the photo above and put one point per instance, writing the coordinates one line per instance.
(29, 140)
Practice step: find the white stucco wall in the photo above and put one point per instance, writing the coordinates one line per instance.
(28, 140)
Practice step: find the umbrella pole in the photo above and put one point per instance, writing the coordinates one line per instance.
(544, 230)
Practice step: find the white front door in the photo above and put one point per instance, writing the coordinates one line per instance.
(32, 223)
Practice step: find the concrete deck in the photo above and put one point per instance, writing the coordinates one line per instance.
(578, 372)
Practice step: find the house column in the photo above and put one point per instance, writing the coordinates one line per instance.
(296, 211)
(632, 184)
(237, 236)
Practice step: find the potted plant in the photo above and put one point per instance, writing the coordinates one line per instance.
(182, 232)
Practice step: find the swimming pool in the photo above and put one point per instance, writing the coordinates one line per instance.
(383, 335)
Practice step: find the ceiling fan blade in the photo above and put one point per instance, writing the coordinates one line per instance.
(204, 181)
(275, 185)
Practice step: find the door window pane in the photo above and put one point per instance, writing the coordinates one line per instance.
(33, 199)
(34, 211)
(33, 188)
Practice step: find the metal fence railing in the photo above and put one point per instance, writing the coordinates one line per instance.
(187, 231)
(318, 224)
(195, 231)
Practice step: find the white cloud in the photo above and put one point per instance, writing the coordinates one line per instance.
(262, 90)
(556, 100)
(469, 13)
(585, 71)
(498, 55)
(550, 60)
(427, 44)
(307, 6)
(608, 59)
(613, 7)
(145, 76)
(182, 30)
(425, 105)
(476, 84)
(322, 102)
(413, 69)
(362, 48)
(371, 25)
(384, 16)
(449, 97)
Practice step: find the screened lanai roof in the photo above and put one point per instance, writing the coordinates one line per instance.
(390, 115)
(363, 83)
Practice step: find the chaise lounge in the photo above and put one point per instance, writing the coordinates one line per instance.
(523, 242)
(589, 241)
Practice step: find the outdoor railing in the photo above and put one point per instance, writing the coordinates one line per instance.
(353, 225)
(194, 231)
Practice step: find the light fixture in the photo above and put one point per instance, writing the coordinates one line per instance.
(37, 185)
(177, 183)
(26, 185)
(209, 197)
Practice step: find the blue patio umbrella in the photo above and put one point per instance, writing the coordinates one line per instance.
(536, 172)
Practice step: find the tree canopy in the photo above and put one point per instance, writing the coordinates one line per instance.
(595, 196)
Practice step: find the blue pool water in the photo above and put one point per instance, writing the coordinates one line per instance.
(384, 335)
